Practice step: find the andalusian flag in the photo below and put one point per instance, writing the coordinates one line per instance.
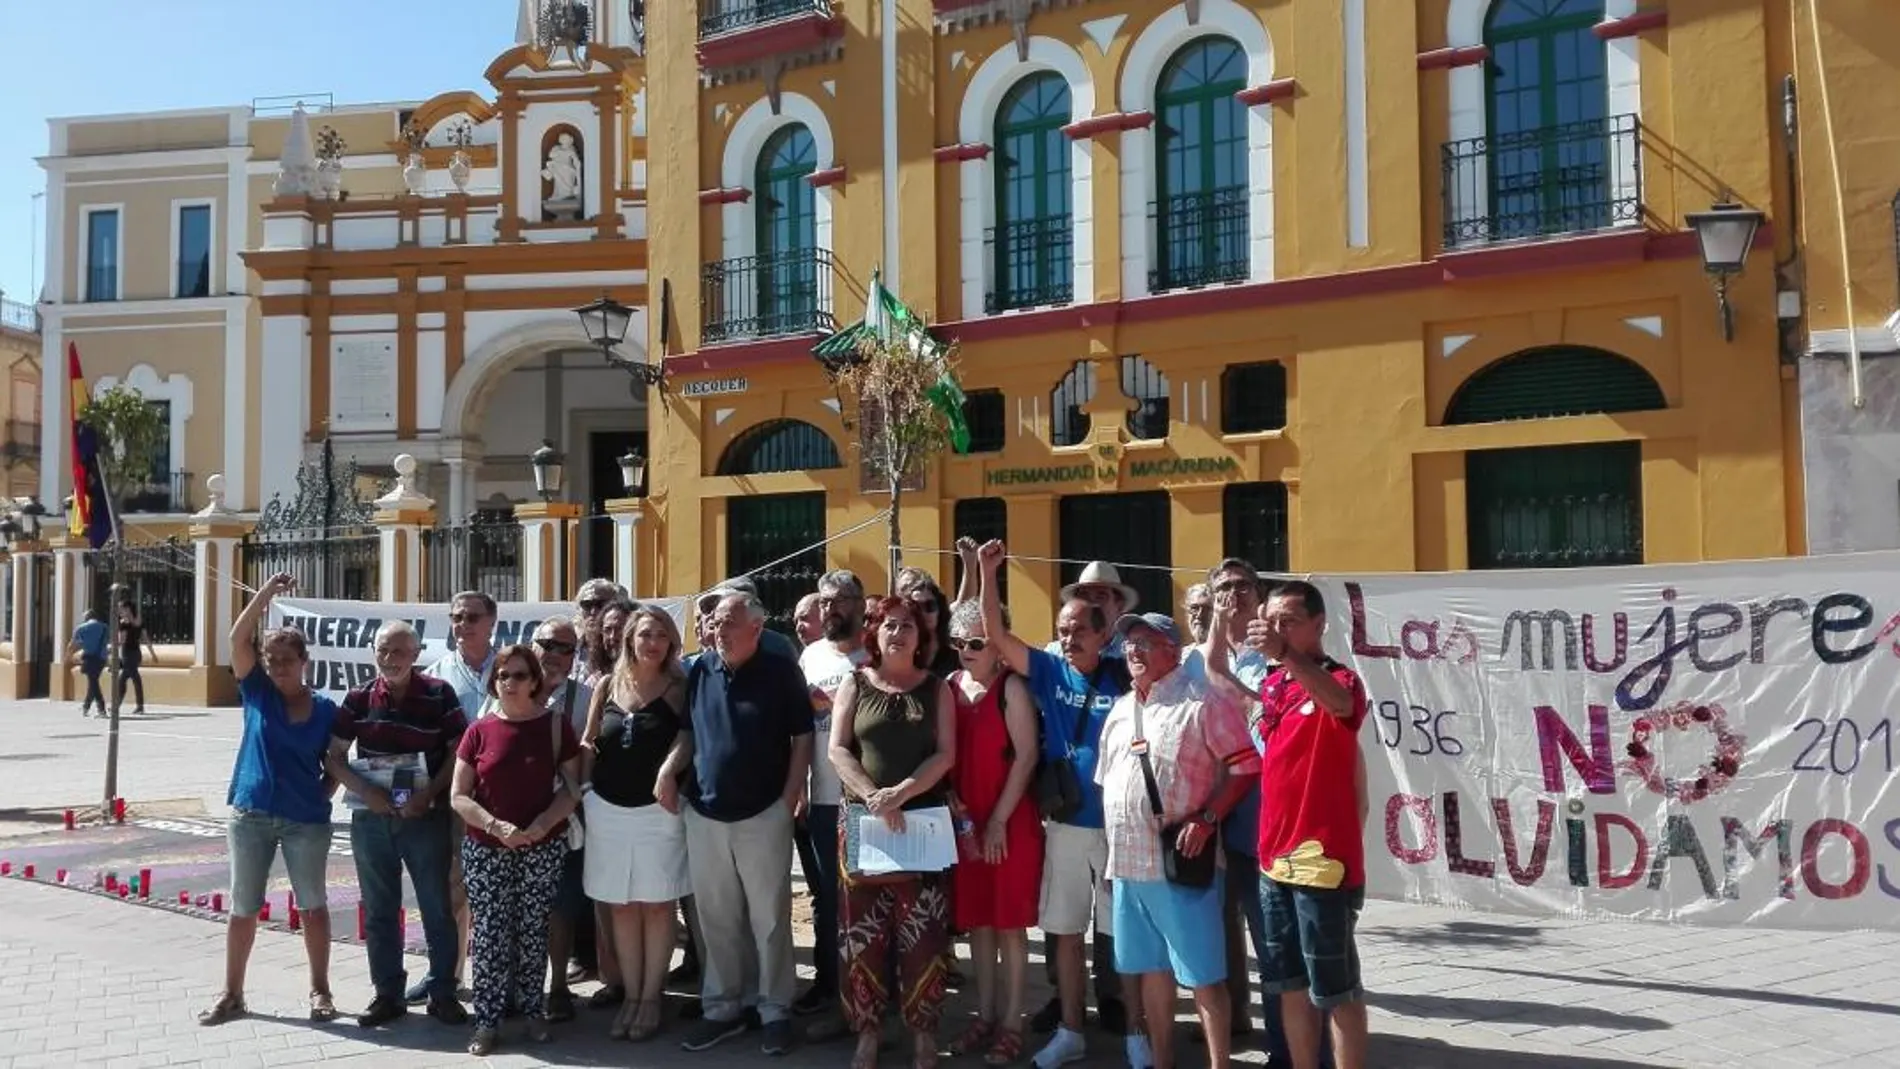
(91, 514)
(887, 318)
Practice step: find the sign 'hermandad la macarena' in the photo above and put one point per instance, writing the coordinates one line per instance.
(1703, 743)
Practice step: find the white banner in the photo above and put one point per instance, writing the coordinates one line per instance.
(340, 633)
(1711, 743)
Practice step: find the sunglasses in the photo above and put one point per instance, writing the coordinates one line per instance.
(593, 604)
(513, 677)
(974, 645)
(554, 645)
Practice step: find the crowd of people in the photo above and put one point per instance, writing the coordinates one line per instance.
(580, 803)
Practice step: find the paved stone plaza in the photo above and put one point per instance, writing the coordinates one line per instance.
(87, 980)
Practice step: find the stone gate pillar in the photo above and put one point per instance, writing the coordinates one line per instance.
(217, 591)
(627, 513)
(547, 550)
(70, 600)
(401, 515)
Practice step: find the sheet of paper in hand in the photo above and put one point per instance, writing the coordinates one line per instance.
(928, 842)
(397, 773)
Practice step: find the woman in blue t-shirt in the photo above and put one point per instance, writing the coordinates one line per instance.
(279, 798)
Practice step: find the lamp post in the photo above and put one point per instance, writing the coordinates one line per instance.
(1725, 233)
(633, 472)
(550, 477)
(606, 321)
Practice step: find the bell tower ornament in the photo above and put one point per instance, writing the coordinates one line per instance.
(562, 30)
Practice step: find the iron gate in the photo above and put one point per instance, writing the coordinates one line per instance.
(762, 528)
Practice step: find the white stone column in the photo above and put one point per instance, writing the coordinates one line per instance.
(546, 549)
(69, 601)
(626, 513)
(400, 517)
(215, 532)
(457, 477)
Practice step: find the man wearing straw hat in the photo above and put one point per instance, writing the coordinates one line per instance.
(1100, 584)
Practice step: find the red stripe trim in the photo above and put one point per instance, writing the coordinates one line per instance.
(1439, 59)
(1630, 25)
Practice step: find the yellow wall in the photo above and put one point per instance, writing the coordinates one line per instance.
(1375, 482)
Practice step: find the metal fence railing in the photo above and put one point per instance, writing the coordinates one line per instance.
(483, 554)
(1200, 239)
(15, 315)
(342, 562)
(728, 16)
(159, 581)
(1558, 179)
(1033, 261)
(786, 292)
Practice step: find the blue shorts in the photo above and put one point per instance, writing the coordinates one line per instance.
(1160, 927)
(1309, 942)
(254, 837)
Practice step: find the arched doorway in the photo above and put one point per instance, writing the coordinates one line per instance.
(777, 537)
(1564, 506)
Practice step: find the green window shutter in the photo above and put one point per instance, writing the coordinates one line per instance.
(1564, 381)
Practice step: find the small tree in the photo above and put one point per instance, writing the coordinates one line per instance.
(127, 433)
(909, 403)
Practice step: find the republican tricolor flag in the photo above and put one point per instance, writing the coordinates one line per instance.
(91, 514)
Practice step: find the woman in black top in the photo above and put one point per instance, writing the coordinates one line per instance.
(131, 634)
(933, 620)
(636, 744)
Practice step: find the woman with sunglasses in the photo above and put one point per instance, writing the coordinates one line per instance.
(605, 653)
(636, 744)
(932, 610)
(996, 885)
(505, 790)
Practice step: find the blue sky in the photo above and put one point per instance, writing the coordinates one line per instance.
(151, 55)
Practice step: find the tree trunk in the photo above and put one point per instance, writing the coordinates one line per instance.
(895, 530)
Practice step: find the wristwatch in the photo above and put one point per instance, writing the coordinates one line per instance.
(1208, 818)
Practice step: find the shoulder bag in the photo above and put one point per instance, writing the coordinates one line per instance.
(576, 836)
(1058, 785)
(1181, 870)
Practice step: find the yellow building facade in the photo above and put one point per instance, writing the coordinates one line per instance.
(1325, 290)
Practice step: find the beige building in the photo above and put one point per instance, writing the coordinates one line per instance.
(20, 404)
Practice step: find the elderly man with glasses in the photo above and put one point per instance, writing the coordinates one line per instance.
(403, 826)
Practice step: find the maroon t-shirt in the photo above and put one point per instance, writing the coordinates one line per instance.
(515, 769)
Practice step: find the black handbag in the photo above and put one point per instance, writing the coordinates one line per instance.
(1182, 871)
(1058, 785)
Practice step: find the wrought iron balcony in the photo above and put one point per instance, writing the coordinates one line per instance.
(767, 296)
(1561, 179)
(1032, 263)
(23, 441)
(15, 315)
(733, 16)
(169, 495)
(1200, 239)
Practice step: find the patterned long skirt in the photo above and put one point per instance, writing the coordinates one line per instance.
(907, 919)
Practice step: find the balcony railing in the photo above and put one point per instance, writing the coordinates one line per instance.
(1534, 183)
(730, 16)
(779, 293)
(1200, 239)
(1033, 261)
(102, 282)
(23, 440)
(169, 495)
(17, 316)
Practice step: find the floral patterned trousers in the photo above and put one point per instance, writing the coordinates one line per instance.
(509, 895)
(908, 919)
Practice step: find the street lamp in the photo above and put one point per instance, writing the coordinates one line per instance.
(633, 472)
(606, 322)
(550, 472)
(1725, 232)
(30, 514)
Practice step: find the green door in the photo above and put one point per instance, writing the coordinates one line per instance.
(1548, 97)
(1122, 529)
(1032, 244)
(1566, 506)
(1201, 202)
(787, 232)
(763, 528)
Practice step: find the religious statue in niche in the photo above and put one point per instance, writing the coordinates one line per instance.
(561, 199)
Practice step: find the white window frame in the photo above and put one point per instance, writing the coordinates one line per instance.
(86, 212)
(176, 389)
(179, 204)
(738, 220)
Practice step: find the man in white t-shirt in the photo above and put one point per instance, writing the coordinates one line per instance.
(827, 663)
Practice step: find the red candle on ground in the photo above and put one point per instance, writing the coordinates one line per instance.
(296, 919)
(6, 868)
(184, 898)
(60, 875)
(145, 883)
(28, 872)
(69, 820)
(263, 911)
(362, 923)
(217, 903)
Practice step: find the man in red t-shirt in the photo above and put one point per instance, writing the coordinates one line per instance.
(1312, 849)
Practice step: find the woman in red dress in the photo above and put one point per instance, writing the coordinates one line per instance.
(997, 883)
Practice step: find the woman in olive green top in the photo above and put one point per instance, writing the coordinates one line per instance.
(893, 740)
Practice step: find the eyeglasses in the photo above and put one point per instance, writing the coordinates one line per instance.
(974, 645)
(513, 677)
(554, 645)
(466, 617)
(593, 604)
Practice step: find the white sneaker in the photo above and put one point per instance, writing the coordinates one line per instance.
(1063, 1047)
(1140, 1054)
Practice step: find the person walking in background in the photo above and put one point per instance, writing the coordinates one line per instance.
(636, 744)
(751, 720)
(133, 639)
(279, 799)
(89, 646)
(506, 768)
(403, 712)
(994, 884)
(893, 740)
(826, 664)
(808, 620)
(556, 641)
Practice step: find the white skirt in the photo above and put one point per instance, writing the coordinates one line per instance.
(633, 855)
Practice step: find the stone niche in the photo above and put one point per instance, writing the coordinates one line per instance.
(563, 174)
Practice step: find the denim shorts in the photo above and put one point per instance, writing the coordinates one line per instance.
(1309, 943)
(254, 838)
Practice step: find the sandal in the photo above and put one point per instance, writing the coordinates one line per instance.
(974, 1038)
(646, 1022)
(623, 1021)
(1007, 1048)
(229, 1007)
(322, 1006)
(483, 1042)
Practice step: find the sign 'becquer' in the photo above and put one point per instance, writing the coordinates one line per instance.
(1705, 743)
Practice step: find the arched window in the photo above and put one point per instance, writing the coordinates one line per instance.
(787, 231)
(780, 445)
(1031, 247)
(1201, 204)
(1555, 506)
(1068, 423)
(1553, 154)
